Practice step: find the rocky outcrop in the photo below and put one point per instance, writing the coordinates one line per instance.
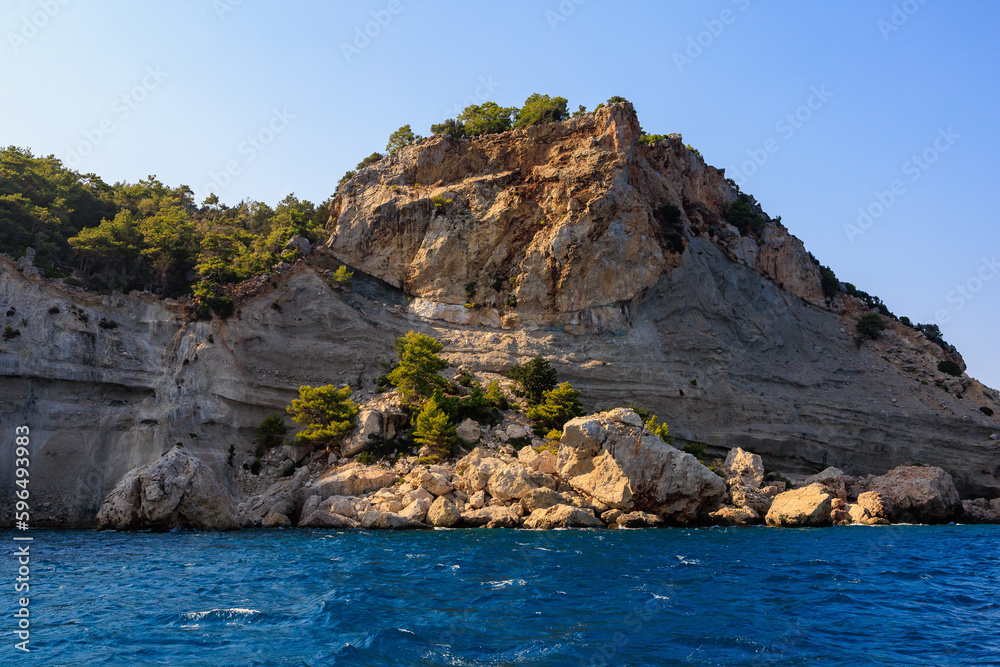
(919, 494)
(562, 516)
(353, 480)
(613, 458)
(177, 491)
(800, 508)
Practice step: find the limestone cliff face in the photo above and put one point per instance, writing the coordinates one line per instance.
(562, 223)
(565, 238)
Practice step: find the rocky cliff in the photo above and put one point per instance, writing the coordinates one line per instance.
(570, 240)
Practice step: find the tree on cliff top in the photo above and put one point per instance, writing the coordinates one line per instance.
(542, 109)
(326, 412)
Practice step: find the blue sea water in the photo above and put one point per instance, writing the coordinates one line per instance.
(906, 595)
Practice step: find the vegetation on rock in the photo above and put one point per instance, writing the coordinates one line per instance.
(326, 412)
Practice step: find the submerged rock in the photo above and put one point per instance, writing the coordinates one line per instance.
(176, 491)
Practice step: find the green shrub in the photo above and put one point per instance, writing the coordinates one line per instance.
(487, 118)
(539, 109)
(949, 367)
(828, 282)
(696, 449)
(615, 99)
(742, 214)
(496, 396)
(416, 373)
(342, 275)
(535, 377)
(658, 429)
(53, 310)
(519, 443)
(440, 202)
(210, 298)
(326, 412)
(10, 332)
(646, 139)
(11, 311)
(270, 433)
(695, 151)
(986, 411)
(107, 324)
(450, 126)
(255, 466)
(558, 406)
(871, 326)
(72, 282)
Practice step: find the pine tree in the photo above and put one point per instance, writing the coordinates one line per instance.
(434, 429)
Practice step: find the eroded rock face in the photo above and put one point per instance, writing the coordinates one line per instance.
(612, 457)
(744, 469)
(918, 494)
(177, 491)
(808, 506)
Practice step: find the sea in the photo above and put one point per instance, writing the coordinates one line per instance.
(856, 595)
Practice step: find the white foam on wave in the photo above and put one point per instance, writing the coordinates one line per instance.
(234, 612)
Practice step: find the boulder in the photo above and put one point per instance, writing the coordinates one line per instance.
(979, 510)
(299, 243)
(639, 520)
(513, 481)
(562, 516)
(517, 431)
(443, 513)
(324, 519)
(342, 505)
(744, 469)
(417, 510)
(743, 496)
(353, 480)
(432, 481)
(874, 507)
(175, 491)
(808, 506)
(610, 517)
(613, 458)
(276, 520)
(374, 424)
(477, 500)
(378, 519)
(918, 494)
(841, 517)
(468, 432)
(296, 453)
(735, 516)
(477, 472)
(543, 498)
(491, 517)
(831, 478)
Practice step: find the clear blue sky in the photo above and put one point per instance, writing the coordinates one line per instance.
(200, 78)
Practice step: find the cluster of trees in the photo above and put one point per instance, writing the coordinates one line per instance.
(141, 236)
